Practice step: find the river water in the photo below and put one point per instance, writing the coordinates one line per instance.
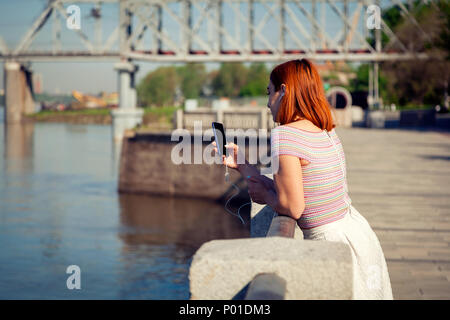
(59, 206)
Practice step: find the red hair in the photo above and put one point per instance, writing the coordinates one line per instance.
(305, 95)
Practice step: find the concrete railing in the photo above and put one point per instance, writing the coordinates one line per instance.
(275, 263)
(266, 286)
(270, 286)
(232, 118)
(263, 221)
(282, 226)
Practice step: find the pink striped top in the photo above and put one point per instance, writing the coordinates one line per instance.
(324, 182)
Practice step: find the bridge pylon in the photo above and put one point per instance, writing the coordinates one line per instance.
(127, 116)
(18, 91)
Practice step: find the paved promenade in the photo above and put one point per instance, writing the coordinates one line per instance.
(400, 181)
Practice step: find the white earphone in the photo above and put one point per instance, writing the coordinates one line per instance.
(281, 96)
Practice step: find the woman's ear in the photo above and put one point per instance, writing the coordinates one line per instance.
(283, 89)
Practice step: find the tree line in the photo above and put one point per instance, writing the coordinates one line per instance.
(165, 85)
(418, 81)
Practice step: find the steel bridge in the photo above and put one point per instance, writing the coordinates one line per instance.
(212, 31)
(219, 31)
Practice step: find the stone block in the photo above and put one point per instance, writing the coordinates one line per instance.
(312, 269)
(343, 117)
(375, 119)
(357, 114)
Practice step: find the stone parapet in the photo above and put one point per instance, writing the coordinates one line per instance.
(223, 269)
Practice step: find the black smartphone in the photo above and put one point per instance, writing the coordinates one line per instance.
(219, 138)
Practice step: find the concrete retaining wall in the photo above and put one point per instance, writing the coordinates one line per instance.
(146, 167)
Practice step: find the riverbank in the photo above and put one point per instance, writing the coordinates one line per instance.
(154, 118)
(161, 119)
(88, 116)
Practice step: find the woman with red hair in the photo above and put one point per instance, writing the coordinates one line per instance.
(309, 183)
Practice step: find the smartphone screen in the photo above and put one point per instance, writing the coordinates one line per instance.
(219, 138)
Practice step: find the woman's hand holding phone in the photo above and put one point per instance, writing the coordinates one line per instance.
(261, 188)
(246, 170)
(232, 160)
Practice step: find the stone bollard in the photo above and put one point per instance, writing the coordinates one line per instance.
(374, 119)
(357, 116)
(223, 269)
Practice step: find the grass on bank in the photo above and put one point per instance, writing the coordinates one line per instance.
(79, 112)
(158, 118)
(161, 111)
(411, 107)
(155, 118)
(157, 111)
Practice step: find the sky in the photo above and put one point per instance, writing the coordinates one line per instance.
(17, 16)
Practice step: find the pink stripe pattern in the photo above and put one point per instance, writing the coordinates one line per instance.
(323, 181)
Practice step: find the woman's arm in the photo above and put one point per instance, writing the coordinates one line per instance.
(288, 197)
(246, 169)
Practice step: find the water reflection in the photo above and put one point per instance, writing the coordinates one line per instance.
(18, 152)
(164, 233)
(180, 221)
(59, 206)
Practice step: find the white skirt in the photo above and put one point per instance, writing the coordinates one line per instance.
(370, 273)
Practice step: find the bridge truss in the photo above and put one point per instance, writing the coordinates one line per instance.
(216, 31)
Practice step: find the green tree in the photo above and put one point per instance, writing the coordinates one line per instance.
(192, 78)
(443, 40)
(361, 81)
(258, 77)
(230, 79)
(158, 87)
(392, 16)
(421, 81)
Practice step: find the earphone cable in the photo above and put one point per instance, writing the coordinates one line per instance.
(237, 192)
